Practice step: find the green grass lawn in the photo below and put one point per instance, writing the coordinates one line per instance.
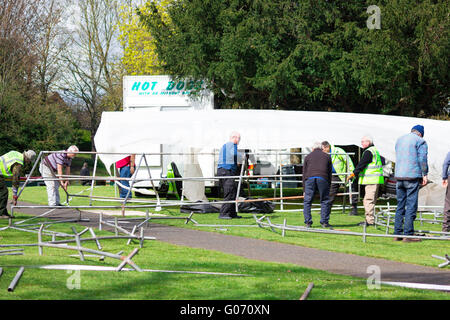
(415, 253)
(265, 281)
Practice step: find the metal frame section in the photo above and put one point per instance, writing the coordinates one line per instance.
(284, 227)
(77, 238)
(378, 217)
(446, 259)
(384, 214)
(159, 203)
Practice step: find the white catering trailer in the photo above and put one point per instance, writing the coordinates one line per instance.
(161, 93)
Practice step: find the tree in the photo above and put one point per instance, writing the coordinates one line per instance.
(309, 55)
(91, 80)
(53, 40)
(139, 50)
(26, 121)
(19, 29)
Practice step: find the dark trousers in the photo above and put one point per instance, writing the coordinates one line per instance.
(3, 197)
(229, 187)
(407, 203)
(446, 219)
(334, 189)
(311, 186)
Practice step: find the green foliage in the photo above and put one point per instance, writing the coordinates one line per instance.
(28, 124)
(139, 56)
(309, 55)
(84, 140)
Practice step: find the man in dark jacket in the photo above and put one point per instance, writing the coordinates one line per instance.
(370, 173)
(317, 169)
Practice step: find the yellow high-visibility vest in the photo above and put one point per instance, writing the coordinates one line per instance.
(8, 160)
(339, 160)
(373, 173)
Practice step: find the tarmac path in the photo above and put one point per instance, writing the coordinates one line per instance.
(339, 263)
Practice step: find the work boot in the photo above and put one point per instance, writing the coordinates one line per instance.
(411, 240)
(326, 225)
(354, 211)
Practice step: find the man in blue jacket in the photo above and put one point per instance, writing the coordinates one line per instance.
(228, 166)
(411, 170)
(445, 172)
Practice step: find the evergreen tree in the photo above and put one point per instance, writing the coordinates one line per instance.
(309, 55)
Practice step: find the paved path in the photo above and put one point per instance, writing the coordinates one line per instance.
(339, 263)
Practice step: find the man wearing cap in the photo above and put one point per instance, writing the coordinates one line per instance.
(52, 167)
(411, 170)
(11, 165)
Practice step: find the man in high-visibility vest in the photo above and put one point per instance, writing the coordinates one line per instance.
(342, 163)
(370, 172)
(11, 165)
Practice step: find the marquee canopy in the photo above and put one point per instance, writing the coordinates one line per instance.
(134, 132)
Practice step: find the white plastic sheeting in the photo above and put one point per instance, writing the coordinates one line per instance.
(133, 132)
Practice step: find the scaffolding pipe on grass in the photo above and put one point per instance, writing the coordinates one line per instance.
(82, 239)
(11, 252)
(446, 259)
(16, 279)
(125, 259)
(284, 227)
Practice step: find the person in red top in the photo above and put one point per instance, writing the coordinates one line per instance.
(126, 168)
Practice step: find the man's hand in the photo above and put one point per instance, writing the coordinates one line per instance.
(445, 183)
(351, 176)
(14, 202)
(424, 180)
(65, 184)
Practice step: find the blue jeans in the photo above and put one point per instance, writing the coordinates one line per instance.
(124, 172)
(309, 189)
(407, 202)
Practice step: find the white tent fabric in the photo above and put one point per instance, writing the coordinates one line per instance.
(134, 132)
